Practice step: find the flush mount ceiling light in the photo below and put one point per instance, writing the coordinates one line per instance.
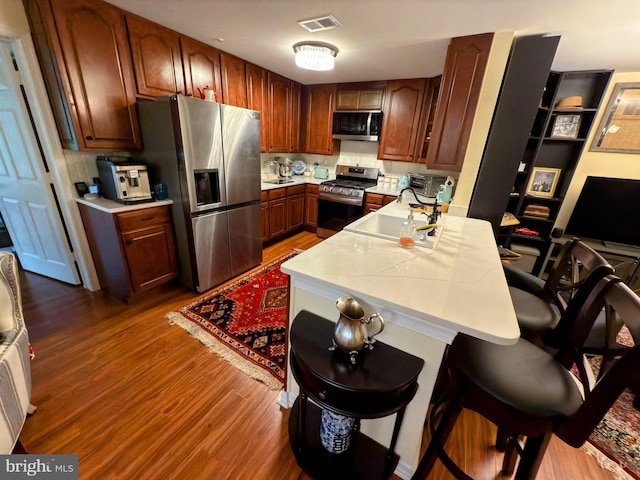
(316, 56)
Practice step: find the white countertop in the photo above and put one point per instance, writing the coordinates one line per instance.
(111, 206)
(297, 180)
(459, 285)
(379, 189)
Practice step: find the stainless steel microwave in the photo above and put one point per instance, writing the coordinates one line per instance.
(357, 125)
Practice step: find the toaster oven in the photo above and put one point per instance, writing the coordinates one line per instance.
(425, 184)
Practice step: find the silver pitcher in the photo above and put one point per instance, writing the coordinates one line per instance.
(351, 334)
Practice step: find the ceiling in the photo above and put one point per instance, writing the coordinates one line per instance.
(387, 39)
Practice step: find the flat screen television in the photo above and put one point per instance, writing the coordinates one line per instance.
(607, 209)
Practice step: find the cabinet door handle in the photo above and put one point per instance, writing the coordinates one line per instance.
(146, 219)
(128, 242)
(89, 137)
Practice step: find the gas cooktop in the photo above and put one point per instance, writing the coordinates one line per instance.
(350, 183)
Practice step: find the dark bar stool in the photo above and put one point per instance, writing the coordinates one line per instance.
(527, 391)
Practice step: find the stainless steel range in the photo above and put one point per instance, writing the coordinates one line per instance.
(341, 201)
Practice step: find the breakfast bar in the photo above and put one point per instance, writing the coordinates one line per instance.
(425, 295)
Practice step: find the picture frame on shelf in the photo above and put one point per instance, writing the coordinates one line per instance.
(543, 181)
(566, 125)
(619, 129)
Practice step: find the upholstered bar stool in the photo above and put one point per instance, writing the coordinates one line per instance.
(528, 392)
(539, 304)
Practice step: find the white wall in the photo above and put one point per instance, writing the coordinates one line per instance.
(13, 20)
(603, 164)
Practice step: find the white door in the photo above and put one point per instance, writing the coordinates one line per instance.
(27, 202)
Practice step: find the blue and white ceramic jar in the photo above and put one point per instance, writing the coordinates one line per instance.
(335, 431)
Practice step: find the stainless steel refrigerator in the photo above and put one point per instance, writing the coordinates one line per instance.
(208, 154)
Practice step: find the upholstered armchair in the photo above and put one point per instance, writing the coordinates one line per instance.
(15, 370)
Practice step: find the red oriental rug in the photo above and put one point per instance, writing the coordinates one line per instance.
(615, 442)
(245, 322)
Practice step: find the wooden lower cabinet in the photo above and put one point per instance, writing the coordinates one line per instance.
(277, 217)
(133, 251)
(284, 212)
(264, 199)
(372, 202)
(311, 208)
(375, 201)
(389, 199)
(295, 212)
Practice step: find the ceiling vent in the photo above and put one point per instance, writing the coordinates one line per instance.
(319, 24)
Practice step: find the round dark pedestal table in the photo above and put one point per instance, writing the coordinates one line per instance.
(381, 383)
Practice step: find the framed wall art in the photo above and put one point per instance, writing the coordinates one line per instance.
(566, 126)
(543, 181)
(619, 129)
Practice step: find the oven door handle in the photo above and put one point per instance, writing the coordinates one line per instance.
(339, 199)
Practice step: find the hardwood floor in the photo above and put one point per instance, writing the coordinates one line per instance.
(137, 398)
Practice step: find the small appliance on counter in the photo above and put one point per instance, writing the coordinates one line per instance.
(271, 171)
(285, 170)
(279, 170)
(426, 185)
(321, 172)
(124, 180)
(445, 191)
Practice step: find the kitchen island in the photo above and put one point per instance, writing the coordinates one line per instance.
(425, 295)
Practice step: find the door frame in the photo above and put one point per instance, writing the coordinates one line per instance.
(35, 90)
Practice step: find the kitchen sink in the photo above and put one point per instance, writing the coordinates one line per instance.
(388, 227)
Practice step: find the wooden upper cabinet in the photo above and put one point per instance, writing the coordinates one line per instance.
(317, 117)
(279, 112)
(403, 101)
(360, 96)
(459, 92)
(201, 65)
(428, 115)
(283, 112)
(157, 62)
(84, 52)
(295, 104)
(257, 99)
(234, 80)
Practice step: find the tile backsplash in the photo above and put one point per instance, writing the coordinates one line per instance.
(364, 154)
(82, 166)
